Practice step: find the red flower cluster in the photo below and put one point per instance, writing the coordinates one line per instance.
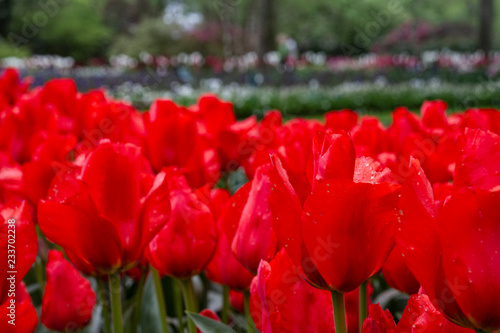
(327, 207)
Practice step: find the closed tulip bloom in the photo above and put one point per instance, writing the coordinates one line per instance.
(186, 243)
(255, 239)
(454, 254)
(224, 268)
(344, 231)
(105, 215)
(15, 220)
(68, 299)
(24, 314)
(420, 316)
(281, 301)
(379, 321)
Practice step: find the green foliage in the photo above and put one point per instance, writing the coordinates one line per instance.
(306, 102)
(67, 28)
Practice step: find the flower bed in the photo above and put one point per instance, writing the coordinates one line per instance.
(131, 218)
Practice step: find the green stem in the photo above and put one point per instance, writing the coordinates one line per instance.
(225, 304)
(161, 299)
(190, 301)
(138, 301)
(104, 304)
(116, 302)
(250, 324)
(363, 304)
(339, 312)
(179, 307)
(40, 277)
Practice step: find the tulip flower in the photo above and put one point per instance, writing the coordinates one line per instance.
(11, 88)
(186, 243)
(454, 254)
(224, 268)
(23, 319)
(255, 239)
(343, 120)
(276, 291)
(18, 245)
(344, 231)
(379, 321)
(105, 215)
(419, 316)
(68, 299)
(173, 139)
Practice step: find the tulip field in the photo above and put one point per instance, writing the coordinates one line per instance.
(187, 219)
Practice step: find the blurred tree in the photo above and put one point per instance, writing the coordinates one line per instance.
(5, 16)
(486, 11)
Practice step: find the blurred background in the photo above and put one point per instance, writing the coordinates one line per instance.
(302, 57)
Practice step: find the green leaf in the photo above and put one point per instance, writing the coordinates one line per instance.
(207, 325)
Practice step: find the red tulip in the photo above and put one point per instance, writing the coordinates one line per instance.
(68, 299)
(421, 316)
(224, 268)
(255, 239)
(279, 287)
(173, 139)
(237, 300)
(478, 164)
(379, 321)
(186, 243)
(105, 215)
(11, 88)
(369, 137)
(18, 246)
(21, 320)
(343, 120)
(208, 314)
(454, 255)
(276, 292)
(345, 231)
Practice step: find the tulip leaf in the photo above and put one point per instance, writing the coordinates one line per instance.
(209, 325)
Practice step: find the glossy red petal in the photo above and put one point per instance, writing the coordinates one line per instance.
(255, 239)
(275, 293)
(420, 316)
(379, 321)
(417, 234)
(470, 234)
(79, 229)
(18, 243)
(478, 164)
(111, 173)
(23, 319)
(68, 299)
(186, 243)
(348, 229)
(334, 157)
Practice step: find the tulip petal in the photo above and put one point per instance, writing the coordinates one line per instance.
(348, 229)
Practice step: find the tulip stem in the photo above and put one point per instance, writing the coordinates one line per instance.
(250, 324)
(339, 312)
(138, 301)
(225, 304)
(161, 299)
(190, 301)
(104, 304)
(116, 302)
(363, 304)
(39, 270)
(178, 304)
